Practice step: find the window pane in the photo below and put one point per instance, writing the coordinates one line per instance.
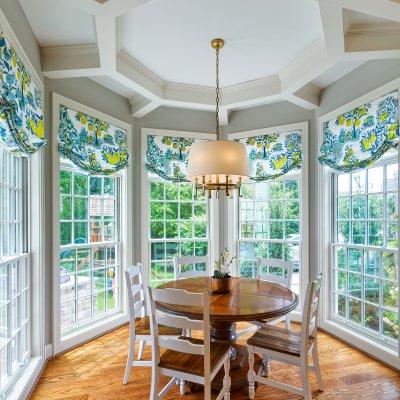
(80, 184)
(65, 182)
(359, 207)
(343, 182)
(358, 182)
(375, 179)
(392, 176)
(343, 208)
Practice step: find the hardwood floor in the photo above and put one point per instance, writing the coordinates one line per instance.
(94, 371)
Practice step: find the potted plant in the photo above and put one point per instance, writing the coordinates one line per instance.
(221, 280)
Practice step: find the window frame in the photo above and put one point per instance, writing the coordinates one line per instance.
(234, 213)
(326, 232)
(213, 211)
(102, 325)
(35, 214)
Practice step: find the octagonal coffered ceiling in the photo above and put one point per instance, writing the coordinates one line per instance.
(157, 52)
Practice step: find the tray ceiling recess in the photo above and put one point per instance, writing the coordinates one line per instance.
(156, 52)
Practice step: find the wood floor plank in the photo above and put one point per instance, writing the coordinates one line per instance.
(94, 372)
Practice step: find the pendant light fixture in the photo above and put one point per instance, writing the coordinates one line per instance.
(217, 165)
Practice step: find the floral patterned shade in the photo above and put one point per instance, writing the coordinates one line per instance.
(271, 156)
(361, 136)
(167, 156)
(91, 144)
(21, 113)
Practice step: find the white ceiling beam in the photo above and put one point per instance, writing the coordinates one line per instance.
(379, 8)
(106, 41)
(70, 61)
(305, 68)
(223, 116)
(141, 106)
(332, 24)
(307, 97)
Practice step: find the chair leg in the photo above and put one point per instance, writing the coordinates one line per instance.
(129, 361)
(317, 367)
(141, 347)
(182, 390)
(266, 365)
(250, 374)
(305, 380)
(155, 383)
(227, 378)
(287, 322)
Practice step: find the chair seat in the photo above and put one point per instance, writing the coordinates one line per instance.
(193, 363)
(142, 327)
(278, 339)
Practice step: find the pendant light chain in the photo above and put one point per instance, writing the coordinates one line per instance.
(217, 91)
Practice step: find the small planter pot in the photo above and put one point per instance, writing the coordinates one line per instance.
(221, 285)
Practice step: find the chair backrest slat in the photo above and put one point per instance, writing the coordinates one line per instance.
(157, 317)
(135, 290)
(286, 268)
(309, 324)
(181, 345)
(179, 322)
(190, 260)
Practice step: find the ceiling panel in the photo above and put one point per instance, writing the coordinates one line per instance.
(172, 38)
(56, 23)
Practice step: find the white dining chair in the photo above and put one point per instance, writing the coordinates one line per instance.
(185, 358)
(290, 347)
(191, 261)
(277, 271)
(139, 327)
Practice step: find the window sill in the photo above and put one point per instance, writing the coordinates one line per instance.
(367, 346)
(90, 332)
(26, 380)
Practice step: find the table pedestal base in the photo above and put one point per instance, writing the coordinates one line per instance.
(226, 332)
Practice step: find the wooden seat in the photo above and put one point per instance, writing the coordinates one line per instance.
(278, 339)
(142, 327)
(193, 363)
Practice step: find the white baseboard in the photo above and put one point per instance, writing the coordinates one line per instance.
(48, 351)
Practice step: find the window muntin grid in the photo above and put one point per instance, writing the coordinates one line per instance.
(270, 224)
(90, 249)
(365, 255)
(178, 227)
(14, 269)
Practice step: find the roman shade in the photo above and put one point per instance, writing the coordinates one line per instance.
(167, 156)
(21, 112)
(359, 137)
(93, 145)
(273, 155)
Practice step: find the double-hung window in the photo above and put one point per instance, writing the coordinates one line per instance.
(15, 324)
(90, 261)
(365, 250)
(272, 212)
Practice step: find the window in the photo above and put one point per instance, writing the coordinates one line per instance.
(14, 269)
(90, 262)
(270, 224)
(178, 226)
(365, 255)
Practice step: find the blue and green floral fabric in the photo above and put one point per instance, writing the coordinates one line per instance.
(91, 144)
(274, 155)
(21, 113)
(359, 137)
(168, 156)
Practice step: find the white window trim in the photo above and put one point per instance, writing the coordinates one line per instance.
(325, 259)
(213, 250)
(95, 329)
(233, 212)
(25, 380)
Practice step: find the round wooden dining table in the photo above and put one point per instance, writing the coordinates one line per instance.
(249, 300)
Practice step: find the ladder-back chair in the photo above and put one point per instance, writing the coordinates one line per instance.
(185, 358)
(290, 347)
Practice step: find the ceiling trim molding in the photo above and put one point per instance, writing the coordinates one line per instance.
(341, 42)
